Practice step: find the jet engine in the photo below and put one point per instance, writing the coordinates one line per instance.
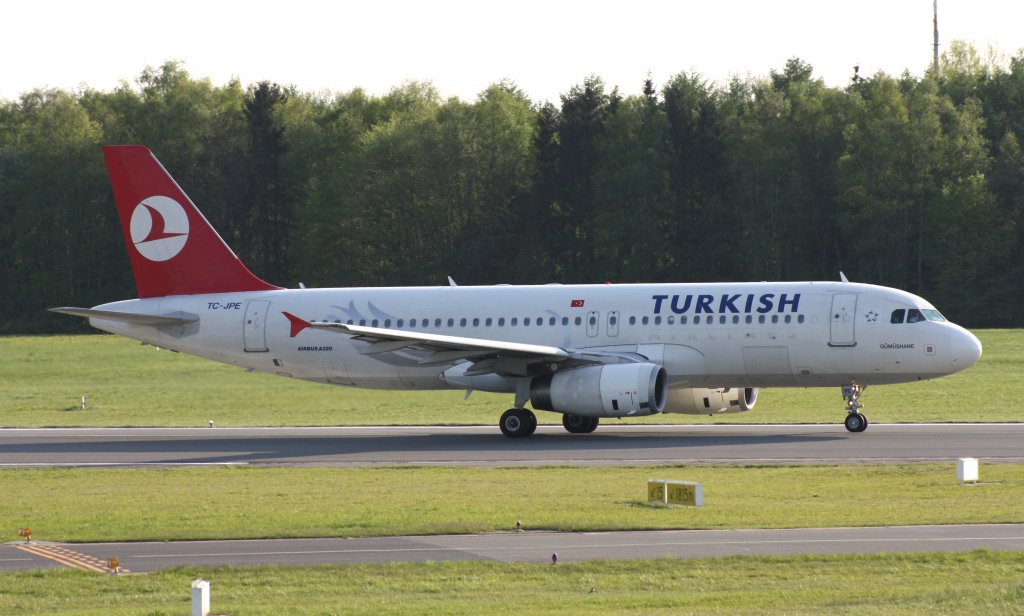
(610, 390)
(711, 401)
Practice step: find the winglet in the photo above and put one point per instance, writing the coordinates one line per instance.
(298, 324)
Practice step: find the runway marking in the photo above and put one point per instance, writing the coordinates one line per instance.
(68, 558)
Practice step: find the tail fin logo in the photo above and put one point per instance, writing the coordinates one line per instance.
(159, 228)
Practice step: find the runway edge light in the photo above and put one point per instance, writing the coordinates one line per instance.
(967, 470)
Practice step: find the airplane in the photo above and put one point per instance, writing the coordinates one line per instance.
(586, 351)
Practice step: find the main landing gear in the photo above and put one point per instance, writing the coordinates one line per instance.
(518, 422)
(522, 422)
(855, 421)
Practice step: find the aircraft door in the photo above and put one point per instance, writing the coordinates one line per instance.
(593, 324)
(843, 318)
(254, 327)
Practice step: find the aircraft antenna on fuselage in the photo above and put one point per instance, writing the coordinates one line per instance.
(842, 277)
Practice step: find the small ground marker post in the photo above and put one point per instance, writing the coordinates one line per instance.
(114, 564)
(967, 470)
(200, 598)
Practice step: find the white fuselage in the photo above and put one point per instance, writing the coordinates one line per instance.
(803, 334)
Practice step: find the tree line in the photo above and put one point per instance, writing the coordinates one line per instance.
(911, 182)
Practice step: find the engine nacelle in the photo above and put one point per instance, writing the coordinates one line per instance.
(610, 390)
(711, 401)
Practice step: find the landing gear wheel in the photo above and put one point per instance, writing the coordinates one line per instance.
(575, 424)
(517, 422)
(855, 422)
(579, 424)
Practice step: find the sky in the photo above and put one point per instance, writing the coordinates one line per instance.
(544, 47)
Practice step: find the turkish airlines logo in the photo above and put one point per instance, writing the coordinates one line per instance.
(159, 228)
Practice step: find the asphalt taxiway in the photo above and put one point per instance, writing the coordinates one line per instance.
(484, 445)
(515, 547)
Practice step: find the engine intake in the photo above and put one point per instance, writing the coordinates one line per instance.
(610, 390)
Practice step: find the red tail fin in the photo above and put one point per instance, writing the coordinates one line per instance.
(172, 247)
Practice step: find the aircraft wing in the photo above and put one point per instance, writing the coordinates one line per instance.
(156, 320)
(497, 356)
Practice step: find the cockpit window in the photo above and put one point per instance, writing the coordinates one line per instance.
(914, 316)
(933, 315)
(897, 316)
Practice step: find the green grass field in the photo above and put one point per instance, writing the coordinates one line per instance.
(255, 502)
(42, 381)
(987, 583)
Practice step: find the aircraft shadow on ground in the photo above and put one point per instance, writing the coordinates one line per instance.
(360, 449)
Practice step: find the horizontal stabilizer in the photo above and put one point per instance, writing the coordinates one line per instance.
(134, 318)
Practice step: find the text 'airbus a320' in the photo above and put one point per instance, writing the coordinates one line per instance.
(586, 351)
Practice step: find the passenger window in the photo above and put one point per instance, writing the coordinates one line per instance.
(451, 322)
(788, 318)
(551, 321)
(349, 321)
(897, 316)
(671, 320)
(914, 316)
(632, 320)
(501, 321)
(682, 320)
(488, 322)
(760, 319)
(579, 320)
(462, 322)
(476, 322)
(526, 321)
(721, 320)
(565, 321)
(800, 318)
(613, 321)
(645, 321)
(437, 322)
(749, 319)
(401, 322)
(540, 321)
(657, 320)
(387, 323)
(775, 318)
(696, 320)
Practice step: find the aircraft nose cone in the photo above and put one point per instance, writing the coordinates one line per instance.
(966, 349)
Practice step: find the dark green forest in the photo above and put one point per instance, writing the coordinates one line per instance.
(911, 182)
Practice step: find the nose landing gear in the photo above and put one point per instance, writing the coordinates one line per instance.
(855, 421)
